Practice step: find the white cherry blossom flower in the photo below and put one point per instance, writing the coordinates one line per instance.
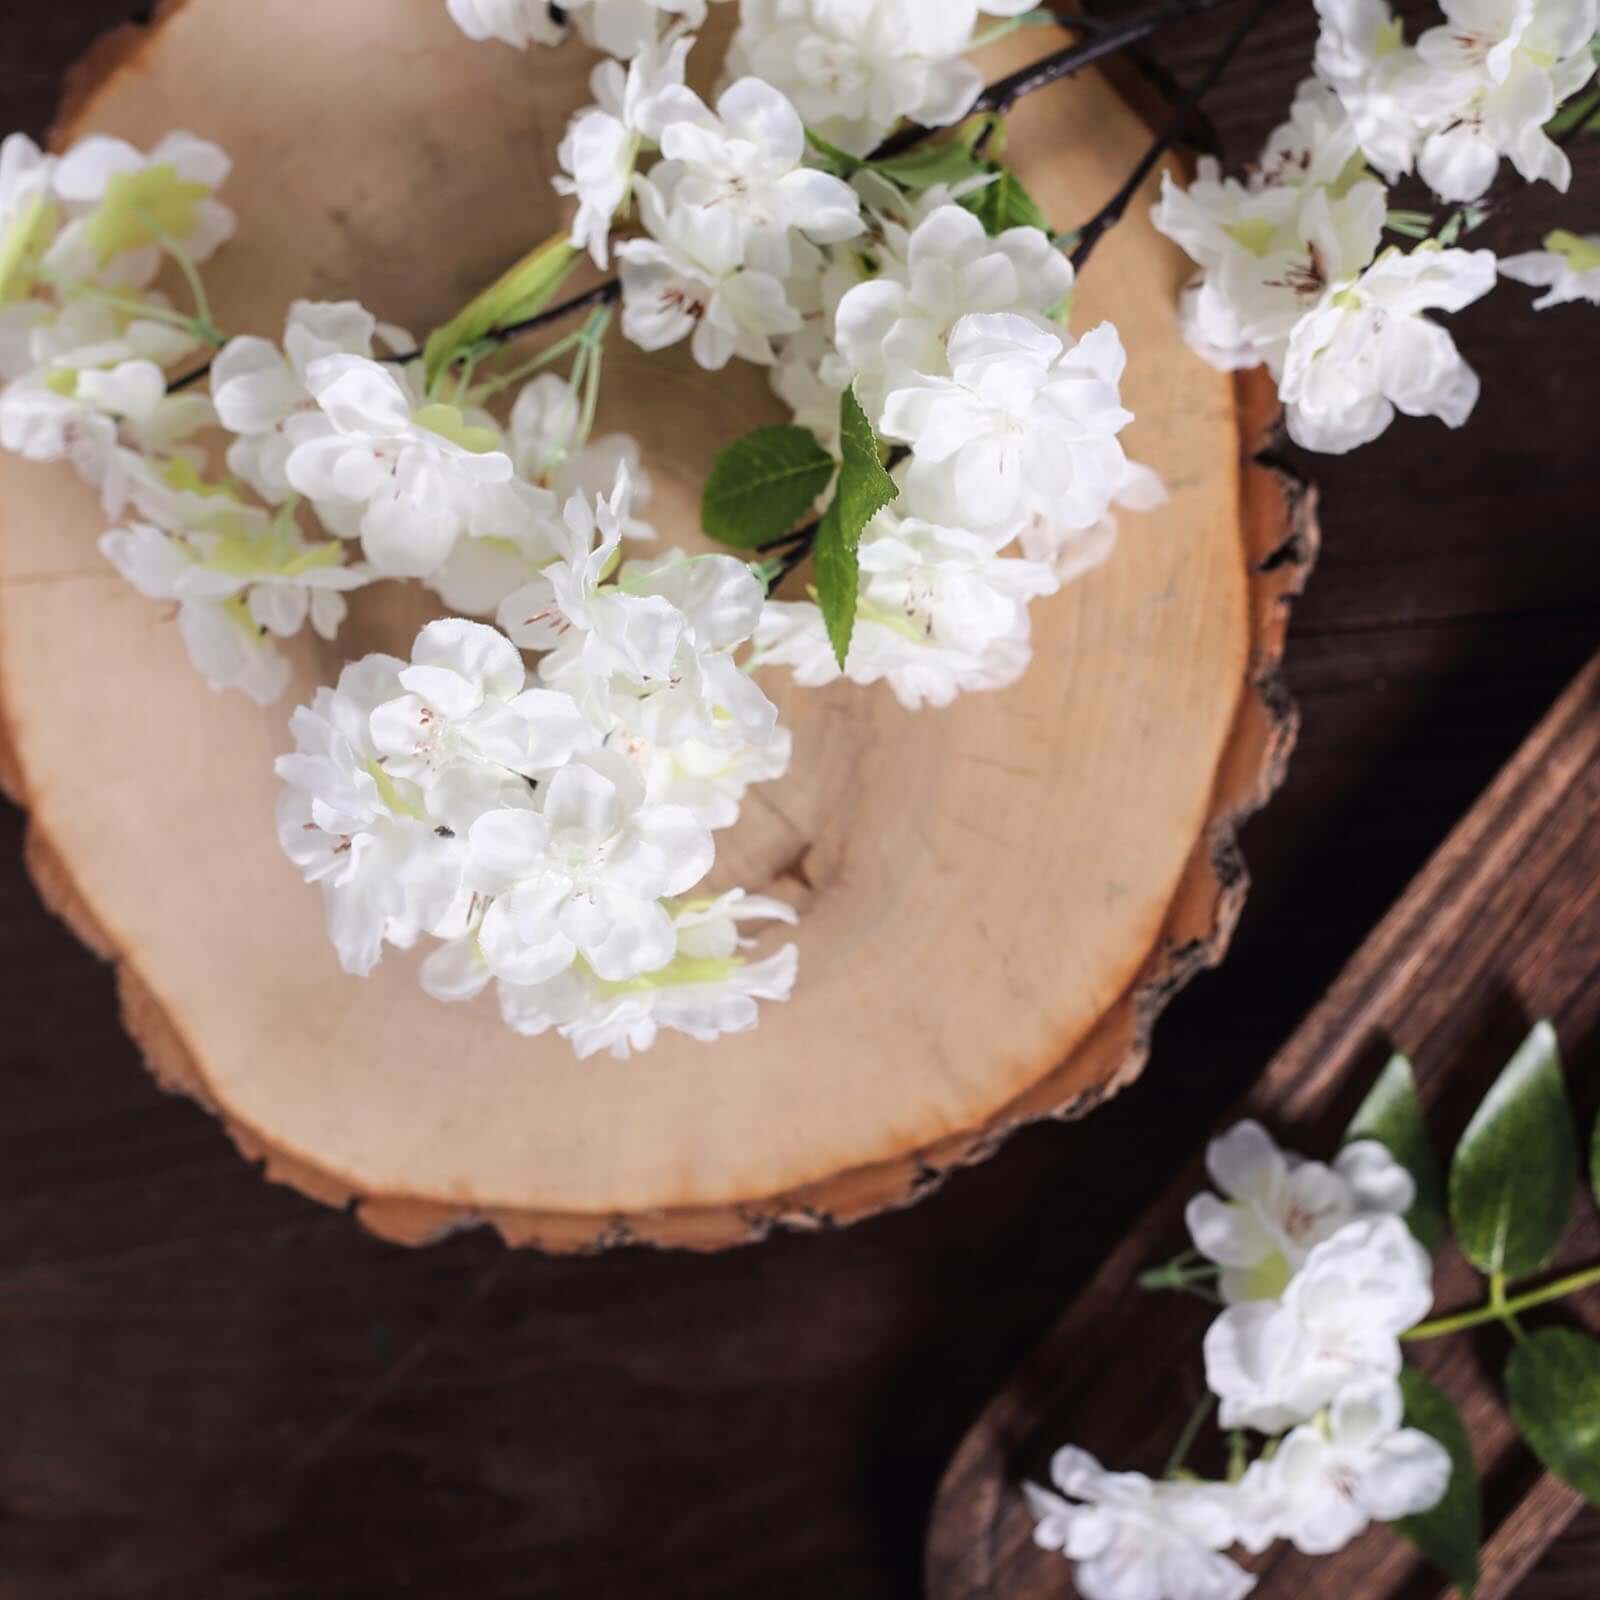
(597, 629)
(258, 388)
(513, 534)
(1135, 1539)
(1274, 1364)
(1330, 1479)
(748, 162)
(548, 450)
(603, 141)
(1277, 1207)
(465, 719)
(1362, 55)
(709, 988)
(1368, 351)
(854, 68)
(1568, 268)
(387, 873)
(708, 779)
(28, 218)
(689, 281)
(625, 27)
(406, 469)
(126, 207)
(1071, 552)
(1026, 419)
(228, 646)
(585, 876)
(899, 322)
(518, 23)
(1496, 71)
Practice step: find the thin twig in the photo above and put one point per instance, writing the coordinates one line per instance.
(1090, 234)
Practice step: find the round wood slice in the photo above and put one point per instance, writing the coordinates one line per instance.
(996, 899)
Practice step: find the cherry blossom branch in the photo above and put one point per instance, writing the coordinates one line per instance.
(1501, 1308)
(1111, 213)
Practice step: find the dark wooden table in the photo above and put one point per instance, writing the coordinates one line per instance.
(211, 1389)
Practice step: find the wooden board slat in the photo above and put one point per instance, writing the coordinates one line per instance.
(1502, 927)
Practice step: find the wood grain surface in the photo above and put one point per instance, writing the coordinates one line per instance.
(1502, 928)
(211, 1388)
(1069, 842)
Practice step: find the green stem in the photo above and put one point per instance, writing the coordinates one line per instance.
(1503, 1309)
(1191, 1432)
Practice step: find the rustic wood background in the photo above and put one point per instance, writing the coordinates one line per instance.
(213, 1389)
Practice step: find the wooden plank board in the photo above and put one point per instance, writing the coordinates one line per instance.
(1502, 927)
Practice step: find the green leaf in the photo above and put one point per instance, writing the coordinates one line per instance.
(1392, 1114)
(762, 484)
(1576, 110)
(864, 490)
(521, 292)
(1553, 1382)
(1450, 1534)
(1004, 203)
(831, 159)
(930, 164)
(1515, 1169)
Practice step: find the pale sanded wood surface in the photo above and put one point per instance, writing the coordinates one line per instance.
(1502, 927)
(995, 899)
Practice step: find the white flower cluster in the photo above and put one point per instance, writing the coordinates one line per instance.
(1320, 1276)
(1007, 426)
(551, 834)
(1294, 274)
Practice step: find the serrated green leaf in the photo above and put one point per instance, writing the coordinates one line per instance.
(763, 484)
(1516, 1167)
(1004, 203)
(521, 292)
(831, 159)
(1553, 1383)
(864, 490)
(927, 165)
(1450, 1534)
(1392, 1114)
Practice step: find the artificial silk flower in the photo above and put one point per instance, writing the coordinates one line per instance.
(1132, 1538)
(600, 631)
(708, 779)
(1329, 1479)
(404, 469)
(710, 987)
(515, 22)
(1026, 419)
(625, 27)
(584, 876)
(28, 217)
(689, 280)
(465, 720)
(548, 448)
(748, 162)
(1274, 1364)
(388, 873)
(1071, 552)
(898, 323)
(258, 388)
(227, 645)
(602, 142)
(1495, 72)
(1367, 350)
(1568, 269)
(1362, 55)
(854, 68)
(126, 207)
(1276, 1208)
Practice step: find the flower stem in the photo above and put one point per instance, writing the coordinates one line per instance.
(1502, 1309)
(1191, 1432)
(1111, 213)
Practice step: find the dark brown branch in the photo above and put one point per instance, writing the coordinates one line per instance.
(1090, 234)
